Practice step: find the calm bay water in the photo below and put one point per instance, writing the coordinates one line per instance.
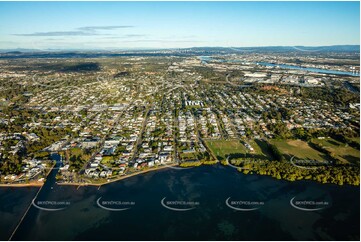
(205, 59)
(211, 219)
(13, 204)
(316, 70)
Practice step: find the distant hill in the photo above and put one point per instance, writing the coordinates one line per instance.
(28, 53)
(333, 48)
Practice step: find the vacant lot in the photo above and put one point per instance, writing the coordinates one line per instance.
(299, 149)
(343, 152)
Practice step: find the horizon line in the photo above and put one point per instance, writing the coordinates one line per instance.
(177, 48)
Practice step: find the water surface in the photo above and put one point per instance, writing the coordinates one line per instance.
(212, 219)
(206, 59)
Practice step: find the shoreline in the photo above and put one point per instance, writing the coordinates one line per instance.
(115, 180)
(40, 184)
(30, 184)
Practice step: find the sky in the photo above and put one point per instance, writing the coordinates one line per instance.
(124, 25)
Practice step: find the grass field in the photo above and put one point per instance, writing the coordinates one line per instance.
(76, 151)
(188, 156)
(343, 152)
(107, 159)
(261, 148)
(356, 139)
(299, 149)
(222, 148)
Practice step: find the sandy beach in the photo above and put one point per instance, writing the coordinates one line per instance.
(29, 184)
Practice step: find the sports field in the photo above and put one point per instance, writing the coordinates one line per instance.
(299, 149)
(341, 151)
(223, 148)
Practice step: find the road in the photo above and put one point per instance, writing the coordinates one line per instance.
(139, 140)
(175, 151)
(200, 140)
(230, 83)
(102, 141)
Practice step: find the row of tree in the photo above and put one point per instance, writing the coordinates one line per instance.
(322, 173)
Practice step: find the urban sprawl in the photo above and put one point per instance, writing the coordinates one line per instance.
(109, 118)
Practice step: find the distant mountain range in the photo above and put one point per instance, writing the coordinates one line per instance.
(333, 48)
(55, 53)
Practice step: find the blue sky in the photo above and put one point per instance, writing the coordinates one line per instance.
(103, 25)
